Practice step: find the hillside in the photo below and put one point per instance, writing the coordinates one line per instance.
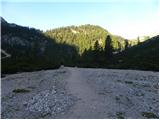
(28, 49)
(85, 36)
(142, 56)
(31, 50)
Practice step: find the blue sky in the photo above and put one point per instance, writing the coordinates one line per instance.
(128, 18)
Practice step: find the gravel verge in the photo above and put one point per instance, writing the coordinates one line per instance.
(38, 94)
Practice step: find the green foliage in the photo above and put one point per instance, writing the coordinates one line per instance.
(84, 37)
(120, 115)
(97, 47)
(149, 115)
(108, 47)
(128, 82)
(21, 90)
(30, 50)
(144, 56)
(126, 44)
(83, 46)
(138, 40)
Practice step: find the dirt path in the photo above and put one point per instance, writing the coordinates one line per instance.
(110, 94)
(88, 104)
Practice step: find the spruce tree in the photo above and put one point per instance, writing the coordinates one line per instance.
(108, 47)
(97, 46)
(138, 40)
(97, 49)
(126, 44)
(119, 47)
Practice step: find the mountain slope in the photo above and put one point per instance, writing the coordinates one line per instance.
(85, 36)
(142, 56)
(28, 49)
(31, 50)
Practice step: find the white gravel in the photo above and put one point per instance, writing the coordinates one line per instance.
(81, 93)
(46, 97)
(130, 92)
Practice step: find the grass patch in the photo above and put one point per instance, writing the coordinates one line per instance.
(128, 82)
(21, 91)
(146, 85)
(120, 115)
(119, 81)
(149, 115)
(117, 98)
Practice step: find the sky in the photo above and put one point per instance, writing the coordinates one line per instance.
(127, 18)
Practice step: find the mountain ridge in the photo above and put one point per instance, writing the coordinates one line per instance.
(32, 49)
(86, 36)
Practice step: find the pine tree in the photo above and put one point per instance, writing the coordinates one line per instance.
(108, 47)
(119, 47)
(126, 44)
(97, 46)
(97, 50)
(138, 40)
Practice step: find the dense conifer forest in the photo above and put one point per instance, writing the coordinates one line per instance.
(81, 46)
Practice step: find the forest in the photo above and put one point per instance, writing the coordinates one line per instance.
(81, 46)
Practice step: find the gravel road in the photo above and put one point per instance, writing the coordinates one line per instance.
(81, 93)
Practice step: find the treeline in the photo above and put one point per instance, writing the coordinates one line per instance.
(85, 37)
(143, 56)
(101, 57)
(94, 44)
(83, 46)
(31, 50)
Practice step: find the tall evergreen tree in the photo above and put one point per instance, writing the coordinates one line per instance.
(97, 46)
(97, 50)
(108, 47)
(119, 47)
(138, 40)
(126, 44)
